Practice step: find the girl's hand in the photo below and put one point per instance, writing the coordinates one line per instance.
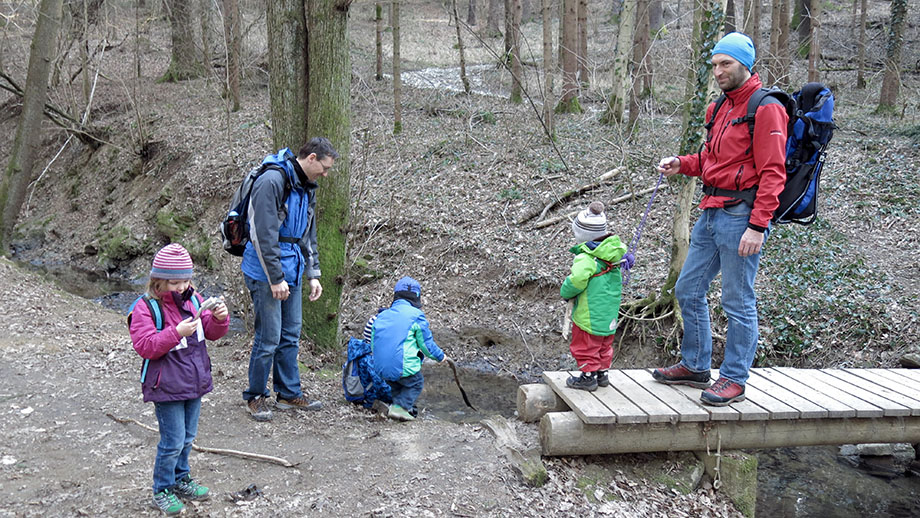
(187, 327)
(220, 312)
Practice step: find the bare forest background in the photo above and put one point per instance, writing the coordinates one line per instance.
(469, 139)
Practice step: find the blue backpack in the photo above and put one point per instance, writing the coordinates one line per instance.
(154, 306)
(360, 381)
(811, 127)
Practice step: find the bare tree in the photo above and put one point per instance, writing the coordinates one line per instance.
(515, 55)
(184, 58)
(583, 43)
(891, 83)
(24, 152)
(378, 39)
(655, 16)
(233, 43)
(568, 103)
(730, 16)
(287, 66)
(616, 104)
(751, 24)
(548, 68)
(861, 46)
(779, 43)
(463, 79)
(397, 80)
(471, 13)
(814, 42)
(494, 18)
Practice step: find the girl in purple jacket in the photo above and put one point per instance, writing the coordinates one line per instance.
(177, 370)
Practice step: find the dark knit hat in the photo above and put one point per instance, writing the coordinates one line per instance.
(590, 224)
(172, 262)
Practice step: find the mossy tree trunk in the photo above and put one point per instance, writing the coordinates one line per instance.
(891, 83)
(287, 66)
(184, 62)
(616, 104)
(28, 134)
(329, 115)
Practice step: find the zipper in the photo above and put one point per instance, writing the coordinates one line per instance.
(738, 177)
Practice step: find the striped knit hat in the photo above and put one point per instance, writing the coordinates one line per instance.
(590, 224)
(172, 262)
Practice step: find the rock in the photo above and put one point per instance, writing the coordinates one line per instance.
(911, 360)
(737, 475)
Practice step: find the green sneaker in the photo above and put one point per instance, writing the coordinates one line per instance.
(188, 489)
(167, 502)
(399, 413)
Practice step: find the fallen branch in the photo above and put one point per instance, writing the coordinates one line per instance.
(550, 203)
(243, 454)
(620, 199)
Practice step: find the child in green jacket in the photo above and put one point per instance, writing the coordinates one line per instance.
(596, 284)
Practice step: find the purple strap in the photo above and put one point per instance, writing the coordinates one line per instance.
(629, 258)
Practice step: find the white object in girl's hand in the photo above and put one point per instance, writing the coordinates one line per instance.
(209, 305)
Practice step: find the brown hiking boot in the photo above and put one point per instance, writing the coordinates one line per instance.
(680, 375)
(258, 409)
(723, 392)
(299, 403)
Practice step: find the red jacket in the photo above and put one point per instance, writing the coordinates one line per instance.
(725, 161)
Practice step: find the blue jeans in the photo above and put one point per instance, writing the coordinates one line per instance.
(714, 247)
(407, 389)
(178, 421)
(275, 344)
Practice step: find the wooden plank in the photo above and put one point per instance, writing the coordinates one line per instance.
(716, 413)
(899, 383)
(563, 433)
(866, 404)
(911, 374)
(589, 408)
(776, 408)
(687, 411)
(837, 402)
(749, 410)
(657, 411)
(618, 403)
(807, 408)
(894, 402)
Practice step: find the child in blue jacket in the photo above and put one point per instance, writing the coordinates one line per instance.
(177, 370)
(400, 339)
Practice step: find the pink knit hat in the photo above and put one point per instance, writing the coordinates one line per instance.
(172, 262)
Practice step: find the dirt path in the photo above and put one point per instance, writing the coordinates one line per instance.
(66, 363)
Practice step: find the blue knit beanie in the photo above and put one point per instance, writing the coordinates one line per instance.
(738, 46)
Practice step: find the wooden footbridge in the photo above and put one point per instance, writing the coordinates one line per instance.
(784, 407)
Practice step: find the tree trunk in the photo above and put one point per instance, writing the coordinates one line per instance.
(463, 79)
(730, 16)
(583, 78)
(397, 80)
(288, 72)
(494, 18)
(891, 83)
(616, 105)
(378, 39)
(814, 42)
(861, 46)
(184, 63)
(233, 42)
(548, 68)
(204, 18)
(643, 71)
(779, 43)
(655, 16)
(329, 115)
(471, 13)
(751, 24)
(517, 70)
(568, 103)
(28, 134)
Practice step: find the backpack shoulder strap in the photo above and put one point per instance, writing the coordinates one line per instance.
(153, 305)
(709, 124)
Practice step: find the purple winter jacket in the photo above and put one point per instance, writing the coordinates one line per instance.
(179, 368)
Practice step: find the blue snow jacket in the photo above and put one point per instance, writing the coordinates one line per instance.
(282, 231)
(400, 336)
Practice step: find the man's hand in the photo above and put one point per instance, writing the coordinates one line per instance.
(187, 327)
(751, 242)
(316, 289)
(281, 291)
(669, 166)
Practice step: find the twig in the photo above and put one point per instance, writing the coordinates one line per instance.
(550, 203)
(243, 454)
(621, 199)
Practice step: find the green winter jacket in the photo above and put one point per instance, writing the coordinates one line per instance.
(597, 299)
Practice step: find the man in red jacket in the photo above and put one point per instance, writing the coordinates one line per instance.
(730, 233)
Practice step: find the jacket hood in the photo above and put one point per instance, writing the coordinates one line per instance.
(610, 249)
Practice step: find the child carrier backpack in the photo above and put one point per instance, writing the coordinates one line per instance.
(360, 382)
(235, 226)
(811, 127)
(154, 306)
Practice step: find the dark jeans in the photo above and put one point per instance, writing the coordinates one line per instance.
(406, 390)
(178, 421)
(274, 346)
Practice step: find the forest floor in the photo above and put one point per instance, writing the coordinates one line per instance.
(441, 202)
